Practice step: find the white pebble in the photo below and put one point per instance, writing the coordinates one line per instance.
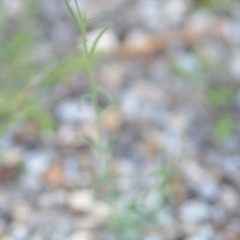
(82, 201)
(71, 112)
(81, 235)
(194, 211)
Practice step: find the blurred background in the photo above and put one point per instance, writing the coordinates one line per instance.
(173, 69)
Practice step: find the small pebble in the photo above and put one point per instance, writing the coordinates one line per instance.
(234, 64)
(194, 211)
(81, 201)
(81, 235)
(208, 190)
(19, 232)
(72, 112)
(205, 232)
(229, 198)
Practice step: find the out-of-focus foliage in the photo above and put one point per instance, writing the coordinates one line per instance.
(221, 90)
(134, 219)
(23, 81)
(215, 4)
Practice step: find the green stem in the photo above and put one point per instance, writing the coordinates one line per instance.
(94, 95)
(100, 143)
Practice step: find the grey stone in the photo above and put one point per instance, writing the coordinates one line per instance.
(208, 190)
(70, 111)
(194, 211)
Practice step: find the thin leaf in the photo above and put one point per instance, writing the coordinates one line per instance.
(162, 172)
(73, 14)
(105, 93)
(90, 140)
(95, 17)
(78, 10)
(93, 48)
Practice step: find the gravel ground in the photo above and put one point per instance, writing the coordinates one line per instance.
(160, 60)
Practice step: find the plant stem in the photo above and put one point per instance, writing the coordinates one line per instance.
(100, 141)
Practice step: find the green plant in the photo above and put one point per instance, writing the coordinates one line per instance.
(24, 83)
(138, 214)
(215, 4)
(100, 143)
(224, 127)
(221, 98)
(221, 90)
(134, 218)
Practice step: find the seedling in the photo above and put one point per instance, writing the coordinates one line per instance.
(100, 143)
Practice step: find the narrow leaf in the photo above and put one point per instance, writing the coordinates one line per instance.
(95, 17)
(93, 48)
(105, 93)
(90, 140)
(73, 14)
